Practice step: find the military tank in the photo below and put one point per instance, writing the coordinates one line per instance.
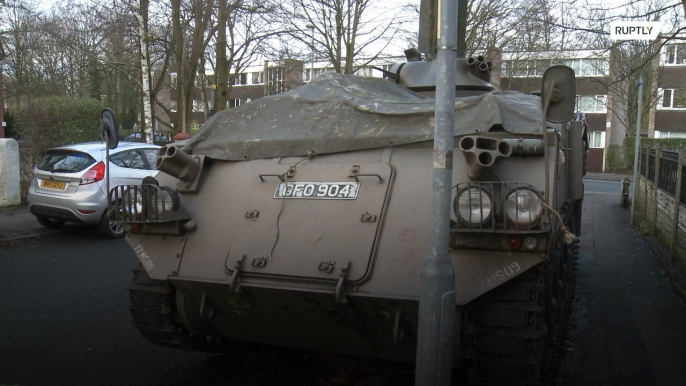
(302, 220)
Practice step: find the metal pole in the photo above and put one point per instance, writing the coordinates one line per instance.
(677, 203)
(632, 219)
(107, 171)
(435, 334)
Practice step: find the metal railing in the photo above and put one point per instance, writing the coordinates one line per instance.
(495, 220)
(662, 174)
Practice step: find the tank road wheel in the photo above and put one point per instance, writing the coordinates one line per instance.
(505, 339)
(153, 310)
(514, 334)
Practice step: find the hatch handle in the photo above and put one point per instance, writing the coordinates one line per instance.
(340, 290)
(368, 175)
(355, 173)
(279, 176)
(233, 280)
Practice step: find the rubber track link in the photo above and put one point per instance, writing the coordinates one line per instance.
(504, 334)
(153, 311)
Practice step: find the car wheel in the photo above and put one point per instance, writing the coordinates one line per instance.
(111, 229)
(50, 222)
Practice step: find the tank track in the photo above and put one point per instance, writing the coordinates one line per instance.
(515, 334)
(152, 304)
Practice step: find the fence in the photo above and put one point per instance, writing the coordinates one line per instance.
(661, 180)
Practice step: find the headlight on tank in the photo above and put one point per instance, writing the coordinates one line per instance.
(133, 202)
(473, 206)
(163, 199)
(523, 207)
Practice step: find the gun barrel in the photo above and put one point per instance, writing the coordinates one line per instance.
(177, 163)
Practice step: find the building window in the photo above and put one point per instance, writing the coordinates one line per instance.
(597, 139)
(172, 106)
(241, 79)
(236, 102)
(257, 77)
(526, 68)
(306, 75)
(362, 71)
(588, 67)
(591, 103)
(674, 54)
(671, 98)
(198, 106)
(669, 134)
(173, 80)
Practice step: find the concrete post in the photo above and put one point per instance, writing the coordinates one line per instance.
(677, 203)
(645, 186)
(658, 156)
(10, 192)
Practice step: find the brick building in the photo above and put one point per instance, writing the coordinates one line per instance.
(601, 95)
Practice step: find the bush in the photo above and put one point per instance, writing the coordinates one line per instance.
(56, 121)
(10, 129)
(615, 158)
(50, 122)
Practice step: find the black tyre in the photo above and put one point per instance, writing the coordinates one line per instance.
(50, 222)
(110, 229)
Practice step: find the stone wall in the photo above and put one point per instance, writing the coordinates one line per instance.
(10, 192)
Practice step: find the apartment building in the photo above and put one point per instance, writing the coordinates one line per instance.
(602, 95)
(670, 109)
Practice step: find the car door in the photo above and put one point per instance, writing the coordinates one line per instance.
(128, 167)
(151, 157)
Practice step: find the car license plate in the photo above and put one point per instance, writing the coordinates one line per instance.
(318, 190)
(59, 185)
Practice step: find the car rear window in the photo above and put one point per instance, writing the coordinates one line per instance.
(65, 161)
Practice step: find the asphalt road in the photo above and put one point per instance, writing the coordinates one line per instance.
(64, 319)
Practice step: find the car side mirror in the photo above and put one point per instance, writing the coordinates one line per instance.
(558, 94)
(110, 128)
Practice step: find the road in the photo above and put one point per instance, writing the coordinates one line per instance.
(64, 319)
(605, 187)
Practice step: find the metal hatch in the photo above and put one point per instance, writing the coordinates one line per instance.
(321, 228)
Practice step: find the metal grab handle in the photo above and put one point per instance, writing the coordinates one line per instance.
(280, 176)
(367, 175)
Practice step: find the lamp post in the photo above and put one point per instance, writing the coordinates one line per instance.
(311, 27)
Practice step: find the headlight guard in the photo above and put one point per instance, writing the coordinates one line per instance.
(473, 206)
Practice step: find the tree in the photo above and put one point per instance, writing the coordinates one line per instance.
(186, 57)
(343, 30)
(245, 29)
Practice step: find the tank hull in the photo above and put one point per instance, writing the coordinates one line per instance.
(267, 262)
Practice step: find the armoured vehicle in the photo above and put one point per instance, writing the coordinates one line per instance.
(302, 220)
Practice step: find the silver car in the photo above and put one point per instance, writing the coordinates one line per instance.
(69, 182)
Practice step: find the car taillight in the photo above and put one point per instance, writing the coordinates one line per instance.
(95, 174)
(33, 172)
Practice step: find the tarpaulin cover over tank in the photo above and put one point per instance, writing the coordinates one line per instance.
(338, 113)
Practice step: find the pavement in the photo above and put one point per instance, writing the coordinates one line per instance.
(629, 318)
(16, 222)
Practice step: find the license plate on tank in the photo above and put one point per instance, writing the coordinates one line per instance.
(318, 190)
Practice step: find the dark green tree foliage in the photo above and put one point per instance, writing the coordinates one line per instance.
(10, 129)
(55, 121)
